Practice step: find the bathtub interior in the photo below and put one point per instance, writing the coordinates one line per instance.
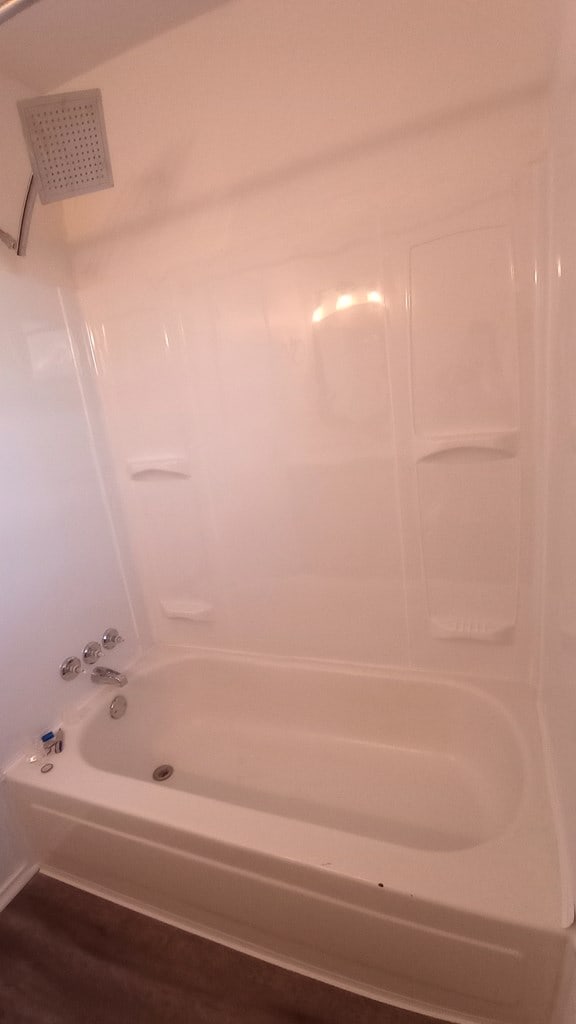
(423, 765)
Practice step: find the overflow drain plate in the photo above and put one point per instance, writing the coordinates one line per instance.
(162, 772)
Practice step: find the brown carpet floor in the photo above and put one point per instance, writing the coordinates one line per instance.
(67, 957)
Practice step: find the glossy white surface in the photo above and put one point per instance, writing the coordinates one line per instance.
(559, 597)
(419, 765)
(261, 799)
(61, 579)
(355, 475)
(234, 730)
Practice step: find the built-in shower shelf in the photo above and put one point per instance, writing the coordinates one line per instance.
(158, 465)
(495, 445)
(189, 610)
(471, 629)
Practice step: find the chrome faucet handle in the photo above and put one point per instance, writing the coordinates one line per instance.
(111, 638)
(91, 652)
(70, 668)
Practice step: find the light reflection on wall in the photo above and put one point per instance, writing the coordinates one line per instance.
(345, 301)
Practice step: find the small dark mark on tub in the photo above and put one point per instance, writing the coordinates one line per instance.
(380, 885)
(162, 772)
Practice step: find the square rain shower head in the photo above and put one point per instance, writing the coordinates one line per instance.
(66, 139)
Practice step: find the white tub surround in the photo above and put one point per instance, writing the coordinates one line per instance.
(391, 834)
(62, 577)
(317, 379)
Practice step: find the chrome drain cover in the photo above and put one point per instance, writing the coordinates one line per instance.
(162, 772)
(118, 706)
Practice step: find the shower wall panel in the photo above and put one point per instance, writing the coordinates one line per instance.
(464, 315)
(559, 605)
(62, 582)
(464, 358)
(312, 313)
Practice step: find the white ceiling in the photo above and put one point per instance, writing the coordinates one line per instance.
(55, 40)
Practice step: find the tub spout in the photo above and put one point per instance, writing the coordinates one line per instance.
(108, 675)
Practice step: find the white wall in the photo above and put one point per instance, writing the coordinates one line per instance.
(61, 578)
(360, 487)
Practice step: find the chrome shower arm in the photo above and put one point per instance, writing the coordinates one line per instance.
(8, 9)
(18, 245)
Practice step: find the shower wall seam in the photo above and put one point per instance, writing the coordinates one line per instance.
(139, 627)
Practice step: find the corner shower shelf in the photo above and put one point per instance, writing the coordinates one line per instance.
(471, 629)
(500, 444)
(158, 465)
(191, 611)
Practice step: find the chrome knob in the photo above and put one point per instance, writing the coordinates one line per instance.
(111, 638)
(70, 668)
(91, 652)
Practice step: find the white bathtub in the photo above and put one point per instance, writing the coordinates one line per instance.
(392, 835)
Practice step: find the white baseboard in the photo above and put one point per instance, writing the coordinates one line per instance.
(12, 886)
